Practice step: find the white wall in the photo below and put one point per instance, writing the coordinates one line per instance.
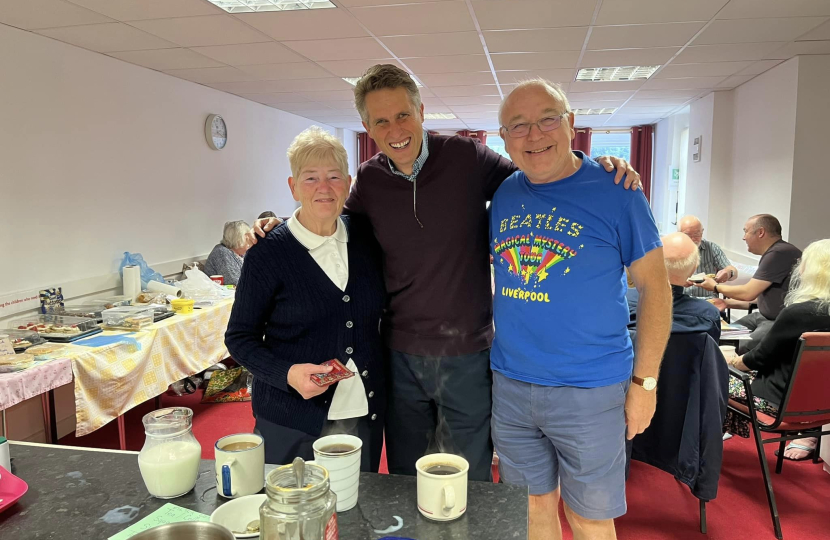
(349, 140)
(763, 150)
(720, 172)
(98, 156)
(810, 200)
(698, 173)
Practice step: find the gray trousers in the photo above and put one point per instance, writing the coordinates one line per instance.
(759, 325)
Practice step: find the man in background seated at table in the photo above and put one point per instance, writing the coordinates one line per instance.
(769, 285)
(712, 258)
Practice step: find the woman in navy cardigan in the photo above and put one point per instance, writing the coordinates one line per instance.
(310, 291)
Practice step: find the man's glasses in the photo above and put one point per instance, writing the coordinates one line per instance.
(549, 123)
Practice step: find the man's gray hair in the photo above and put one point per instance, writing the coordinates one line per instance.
(554, 90)
(380, 77)
(233, 236)
(683, 268)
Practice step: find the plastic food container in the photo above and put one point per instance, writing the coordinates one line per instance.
(182, 305)
(9, 363)
(128, 318)
(86, 312)
(46, 350)
(55, 326)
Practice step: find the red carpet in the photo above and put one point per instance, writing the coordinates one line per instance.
(658, 506)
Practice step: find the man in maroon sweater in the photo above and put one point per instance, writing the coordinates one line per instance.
(426, 197)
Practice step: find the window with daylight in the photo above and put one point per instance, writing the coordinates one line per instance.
(495, 143)
(617, 144)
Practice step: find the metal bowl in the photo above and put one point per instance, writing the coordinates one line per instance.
(187, 530)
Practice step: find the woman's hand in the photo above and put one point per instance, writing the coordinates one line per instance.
(738, 362)
(299, 378)
(261, 226)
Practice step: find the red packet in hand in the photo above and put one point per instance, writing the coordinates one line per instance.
(338, 373)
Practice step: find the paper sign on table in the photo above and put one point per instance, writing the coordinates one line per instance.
(169, 513)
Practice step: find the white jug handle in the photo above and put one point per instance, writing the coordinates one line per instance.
(449, 499)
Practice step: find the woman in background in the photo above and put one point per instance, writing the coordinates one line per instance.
(226, 257)
(806, 309)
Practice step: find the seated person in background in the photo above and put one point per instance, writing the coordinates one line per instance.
(769, 285)
(689, 314)
(712, 258)
(226, 257)
(267, 214)
(807, 309)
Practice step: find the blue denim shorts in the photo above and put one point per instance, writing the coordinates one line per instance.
(561, 436)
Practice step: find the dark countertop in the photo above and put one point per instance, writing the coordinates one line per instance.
(71, 490)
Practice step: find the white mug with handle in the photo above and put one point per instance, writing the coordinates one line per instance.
(240, 465)
(442, 486)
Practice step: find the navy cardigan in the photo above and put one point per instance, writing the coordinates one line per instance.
(287, 311)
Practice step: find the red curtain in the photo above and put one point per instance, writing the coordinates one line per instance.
(641, 148)
(582, 140)
(481, 136)
(366, 147)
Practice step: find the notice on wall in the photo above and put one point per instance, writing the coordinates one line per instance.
(19, 301)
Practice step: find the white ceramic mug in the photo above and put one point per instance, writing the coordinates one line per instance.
(442, 497)
(239, 472)
(343, 467)
(728, 352)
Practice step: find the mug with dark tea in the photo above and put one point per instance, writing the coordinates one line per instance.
(240, 464)
(340, 455)
(442, 486)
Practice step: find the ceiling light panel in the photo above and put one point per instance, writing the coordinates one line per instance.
(606, 110)
(439, 116)
(620, 73)
(250, 6)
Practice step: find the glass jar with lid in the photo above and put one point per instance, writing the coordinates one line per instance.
(298, 513)
(170, 459)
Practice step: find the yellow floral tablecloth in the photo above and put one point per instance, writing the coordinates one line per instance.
(112, 379)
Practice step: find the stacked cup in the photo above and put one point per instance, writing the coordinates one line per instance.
(340, 455)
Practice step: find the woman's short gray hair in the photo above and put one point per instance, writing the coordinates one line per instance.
(233, 236)
(379, 77)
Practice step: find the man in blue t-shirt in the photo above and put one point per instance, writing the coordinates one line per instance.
(561, 235)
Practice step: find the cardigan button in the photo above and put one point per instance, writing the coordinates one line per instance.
(349, 324)
(349, 350)
(374, 417)
(372, 393)
(365, 373)
(346, 298)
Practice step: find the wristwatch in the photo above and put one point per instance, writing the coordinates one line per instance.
(648, 383)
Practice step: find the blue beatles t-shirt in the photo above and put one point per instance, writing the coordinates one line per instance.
(559, 250)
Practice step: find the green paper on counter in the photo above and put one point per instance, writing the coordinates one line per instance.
(169, 513)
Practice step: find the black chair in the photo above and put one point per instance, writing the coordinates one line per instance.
(685, 436)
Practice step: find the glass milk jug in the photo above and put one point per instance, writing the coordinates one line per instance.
(292, 513)
(169, 461)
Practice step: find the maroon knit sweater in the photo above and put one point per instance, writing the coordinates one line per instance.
(437, 271)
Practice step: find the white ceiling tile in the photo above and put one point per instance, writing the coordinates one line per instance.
(590, 121)
(554, 75)
(819, 33)
(108, 37)
(594, 104)
(756, 30)
(643, 35)
(251, 87)
(628, 57)
(735, 80)
(657, 11)
(461, 91)
(759, 67)
(538, 40)
(604, 86)
(687, 83)
(634, 109)
(709, 69)
(202, 31)
(281, 98)
(354, 68)
(162, 59)
(447, 64)
(276, 72)
(429, 18)
(667, 93)
(134, 10)
(363, 3)
(534, 61)
(309, 85)
(31, 14)
(600, 96)
(752, 9)
(434, 44)
(250, 53)
(628, 121)
(517, 14)
(331, 95)
(303, 109)
(658, 102)
(224, 74)
(732, 52)
(457, 79)
(339, 49)
(800, 47)
(340, 105)
(484, 110)
(304, 24)
(472, 100)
